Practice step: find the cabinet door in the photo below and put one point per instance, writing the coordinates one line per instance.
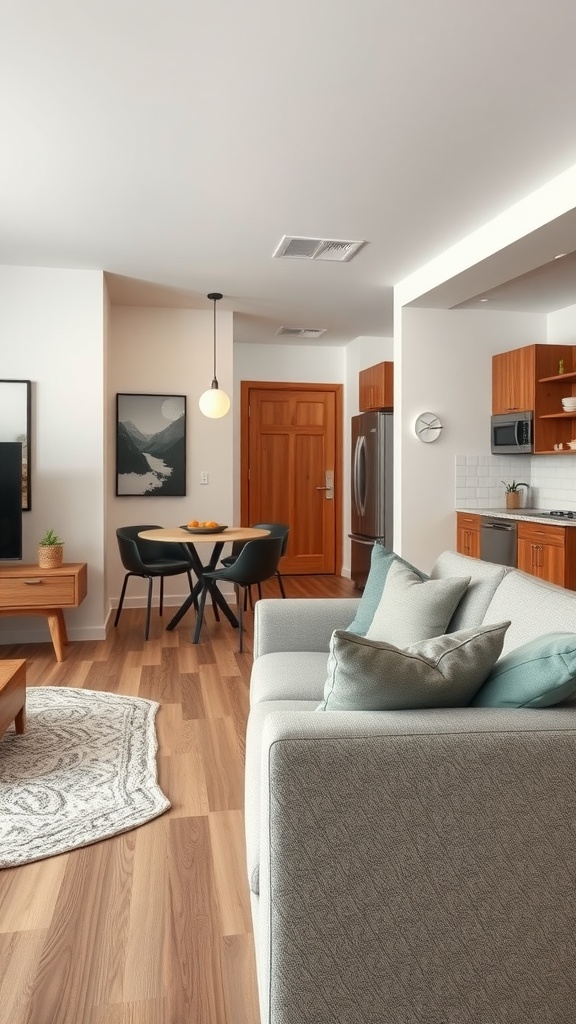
(376, 387)
(514, 380)
(542, 552)
(468, 534)
(551, 564)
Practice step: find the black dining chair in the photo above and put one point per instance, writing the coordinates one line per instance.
(275, 530)
(257, 561)
(150, 559)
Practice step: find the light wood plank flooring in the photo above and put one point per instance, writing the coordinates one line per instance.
(153, 926)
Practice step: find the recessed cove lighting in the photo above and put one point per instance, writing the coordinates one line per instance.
(559, 255)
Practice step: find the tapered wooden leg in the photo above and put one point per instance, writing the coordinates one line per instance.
(54, 624)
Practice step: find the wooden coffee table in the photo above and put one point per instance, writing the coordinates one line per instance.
(12, 695)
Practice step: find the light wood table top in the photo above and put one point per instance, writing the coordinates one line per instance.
(180, 536)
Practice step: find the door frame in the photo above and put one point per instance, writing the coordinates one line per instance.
(246, 386)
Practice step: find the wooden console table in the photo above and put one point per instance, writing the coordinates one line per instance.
(30, 590)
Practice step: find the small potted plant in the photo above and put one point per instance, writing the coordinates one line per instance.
(513, 495)
(50, 551)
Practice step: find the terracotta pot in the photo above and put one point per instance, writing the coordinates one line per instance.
(50, 556)
(513, 499)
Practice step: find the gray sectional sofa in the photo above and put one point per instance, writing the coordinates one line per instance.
(410, 867)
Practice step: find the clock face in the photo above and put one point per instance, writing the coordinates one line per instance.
(427, 427)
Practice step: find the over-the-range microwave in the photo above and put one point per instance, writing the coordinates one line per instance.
(511, 433)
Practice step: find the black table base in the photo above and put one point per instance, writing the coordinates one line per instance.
(218, 600)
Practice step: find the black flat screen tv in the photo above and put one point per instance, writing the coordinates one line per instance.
(10, 499)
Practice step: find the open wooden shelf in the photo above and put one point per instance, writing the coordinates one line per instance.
(558, 376)
(558, 416)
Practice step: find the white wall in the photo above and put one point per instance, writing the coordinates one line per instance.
(169, 351)
(562, 327)
(443, 365)
(52, 329)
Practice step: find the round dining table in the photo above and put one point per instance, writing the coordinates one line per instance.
(179, 535)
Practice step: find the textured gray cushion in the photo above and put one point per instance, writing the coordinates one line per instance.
(485, 578)
(289, 675)
(380, 561)
(445, 671)
(535, 607)
(412, 609)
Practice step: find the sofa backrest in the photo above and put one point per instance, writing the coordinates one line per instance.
(485, 578)
(534, 607)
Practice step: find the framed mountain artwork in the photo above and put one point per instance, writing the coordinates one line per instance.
(150, 445)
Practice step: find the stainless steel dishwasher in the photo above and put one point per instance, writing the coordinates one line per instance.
(498, 541)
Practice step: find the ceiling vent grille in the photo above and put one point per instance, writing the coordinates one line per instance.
(300, 332)
(334, 249)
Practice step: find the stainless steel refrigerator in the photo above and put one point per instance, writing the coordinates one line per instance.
(371, 484)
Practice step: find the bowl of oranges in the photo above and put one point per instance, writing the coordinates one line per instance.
(203, 526)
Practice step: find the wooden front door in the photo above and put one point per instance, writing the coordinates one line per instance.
(291, 440)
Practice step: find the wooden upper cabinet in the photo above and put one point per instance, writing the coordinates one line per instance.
(514, 380)
(537, 378)
(376, 387)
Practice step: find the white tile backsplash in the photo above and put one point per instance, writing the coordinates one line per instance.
(551, 479)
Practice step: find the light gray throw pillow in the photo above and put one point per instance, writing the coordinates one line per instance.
(412, 609)
(442, 672)
(380, 561)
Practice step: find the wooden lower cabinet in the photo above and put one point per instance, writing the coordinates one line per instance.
(548, 552)
(468, 534)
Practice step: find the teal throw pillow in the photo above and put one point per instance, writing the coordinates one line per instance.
(380, 562)
(538, 674)
(445, 671)
(412, 609)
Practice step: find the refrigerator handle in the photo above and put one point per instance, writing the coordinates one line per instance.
(359, 492)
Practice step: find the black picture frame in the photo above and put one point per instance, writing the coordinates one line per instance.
(150, 445)
(15, 425)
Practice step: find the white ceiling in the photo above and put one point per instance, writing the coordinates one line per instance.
(172, 143)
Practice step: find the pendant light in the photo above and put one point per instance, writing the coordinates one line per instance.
(214, 402)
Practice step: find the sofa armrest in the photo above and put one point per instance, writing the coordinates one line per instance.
(300, 624)
(396, 846)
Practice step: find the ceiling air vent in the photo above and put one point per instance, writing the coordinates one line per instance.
(301, 332)
(334, 249)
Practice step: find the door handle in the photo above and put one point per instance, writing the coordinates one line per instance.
(329, 485)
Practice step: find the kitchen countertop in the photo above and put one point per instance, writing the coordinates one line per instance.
(527, 515)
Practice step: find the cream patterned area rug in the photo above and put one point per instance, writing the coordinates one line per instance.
(84, 770)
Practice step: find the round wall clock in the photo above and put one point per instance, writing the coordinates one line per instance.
(427, 427)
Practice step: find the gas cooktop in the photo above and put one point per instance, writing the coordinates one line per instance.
(555, 513)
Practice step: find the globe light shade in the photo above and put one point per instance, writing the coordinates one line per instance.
(214, 403)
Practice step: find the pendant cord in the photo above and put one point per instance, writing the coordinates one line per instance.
(215, 340)
(214, 296)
